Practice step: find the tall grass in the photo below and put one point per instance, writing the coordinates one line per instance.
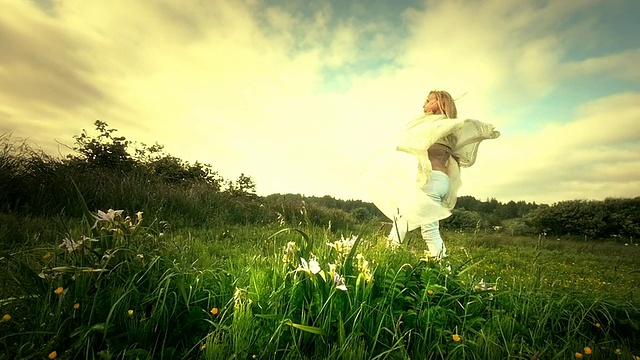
(33, 183)
(132, 287)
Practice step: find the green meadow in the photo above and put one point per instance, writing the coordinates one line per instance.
(131, 287)
(107, 254)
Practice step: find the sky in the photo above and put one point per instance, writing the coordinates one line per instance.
(298, 95)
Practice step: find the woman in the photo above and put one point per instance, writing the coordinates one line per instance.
(441, 143)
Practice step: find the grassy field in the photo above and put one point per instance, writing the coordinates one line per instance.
(120, 286)
(593, 268)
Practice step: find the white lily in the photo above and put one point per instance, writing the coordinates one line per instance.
(343, 246)
(70, 245)
(338, 281)
(109, 216)
(311, 268)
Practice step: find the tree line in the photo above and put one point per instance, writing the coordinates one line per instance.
(113, 172)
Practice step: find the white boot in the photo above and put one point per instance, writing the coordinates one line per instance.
(431, 235)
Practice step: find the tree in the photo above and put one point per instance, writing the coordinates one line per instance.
(105, 150)
(243, 186)
(463, 220)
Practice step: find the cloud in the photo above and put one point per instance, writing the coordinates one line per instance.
(621, 65)
(594, 156)
(295, 95)
(42, 69)
(511, 52)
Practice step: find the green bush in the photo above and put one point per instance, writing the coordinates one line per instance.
(591, 219)
(463, 220)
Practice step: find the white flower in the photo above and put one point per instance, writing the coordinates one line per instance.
(109, 216)
(71, 245)
(311, 268)
(482, 286)
(343, 246)
(338, 281)
(314, 266)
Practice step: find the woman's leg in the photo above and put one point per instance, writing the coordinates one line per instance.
(431, 235)
(398, 231)
(436, 189)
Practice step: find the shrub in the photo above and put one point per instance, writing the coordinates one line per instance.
(463, 220)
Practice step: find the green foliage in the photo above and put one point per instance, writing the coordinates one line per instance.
(509, 210)
(244, 291)
(107, 173)
(105, 150)
(109, 152)
(244, 186)
(175, 171)
(110, 292)
(110, 169)
(464, 220)
(518, 227)
(590, 219)
(295, 210)
(215, 285)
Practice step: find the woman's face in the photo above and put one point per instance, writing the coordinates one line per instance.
(431, 105)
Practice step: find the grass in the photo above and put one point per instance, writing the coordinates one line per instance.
(135, 288)
(593, 268)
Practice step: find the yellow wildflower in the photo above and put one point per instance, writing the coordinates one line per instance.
(76, 306)
(59, 290)
(214, 311)
(130, 312)
(578, 355)
(53, 355)
(456, 338)
(203, 346)
(618, 351)
(598, 325)
(430, 292)
(47, 256)
(6, 318)
(587, 350)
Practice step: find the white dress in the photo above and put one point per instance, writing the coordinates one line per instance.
(394, 182)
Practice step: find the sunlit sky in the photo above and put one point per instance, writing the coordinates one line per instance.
(299, 94)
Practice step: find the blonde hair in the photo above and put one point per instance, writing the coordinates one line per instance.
(445, 103)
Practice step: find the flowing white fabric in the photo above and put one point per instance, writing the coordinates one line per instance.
(394, 182)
